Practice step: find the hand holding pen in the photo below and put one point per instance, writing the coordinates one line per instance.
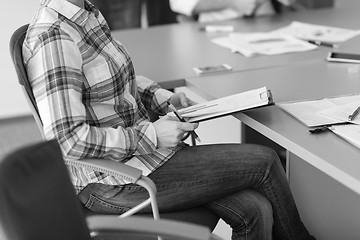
(181, 119)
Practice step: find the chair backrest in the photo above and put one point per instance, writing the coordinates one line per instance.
(16, 43)
(37, 199)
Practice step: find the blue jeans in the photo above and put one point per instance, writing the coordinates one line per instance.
(243, 184)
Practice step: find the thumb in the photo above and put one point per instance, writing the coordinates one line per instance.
(187, 127)
(183, 100)
(169, 117)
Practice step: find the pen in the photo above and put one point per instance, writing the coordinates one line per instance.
(319, 129)
(320, 43)
(177, 114)
(354, 114)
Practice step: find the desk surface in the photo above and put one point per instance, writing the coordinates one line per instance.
(314, 79)
(167, 54)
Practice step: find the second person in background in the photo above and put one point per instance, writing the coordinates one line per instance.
(123, 14)
(217, 10)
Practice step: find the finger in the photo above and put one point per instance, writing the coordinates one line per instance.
(186, 127)
(183, 99)
(169, 118)
(191, 102)
(184, 136)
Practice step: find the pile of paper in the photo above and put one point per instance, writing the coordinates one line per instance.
(314, 32)
(325, 111)
(250, 44)
(332, 112)
(292, 38)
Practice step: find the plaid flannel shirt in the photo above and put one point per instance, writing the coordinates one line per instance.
(87, 93)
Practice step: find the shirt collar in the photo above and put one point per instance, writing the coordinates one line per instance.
(72, 12)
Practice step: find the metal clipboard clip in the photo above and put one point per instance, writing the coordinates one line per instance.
(267, 95)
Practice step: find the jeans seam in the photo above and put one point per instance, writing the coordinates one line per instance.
(92, 199)
(180, 183)
(266, 175)
(244, 219)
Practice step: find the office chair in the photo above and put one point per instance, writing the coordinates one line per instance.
(38, 201)
(199, 215)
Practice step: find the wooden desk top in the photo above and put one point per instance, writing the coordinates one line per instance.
(316, 79)
(167, 54)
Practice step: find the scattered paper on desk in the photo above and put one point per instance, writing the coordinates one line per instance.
(251, 44)
(227, 105)
(341, 112)
(308, 112)
(325, 111)
(317, 32)
(349, 132)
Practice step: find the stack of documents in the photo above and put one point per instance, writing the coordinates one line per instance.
(227, 105)
(327, 111)
(349, 132)
(315, 32)
(332, 112)
(251, 44)
(296, 37)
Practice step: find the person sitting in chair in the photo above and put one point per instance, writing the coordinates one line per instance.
(92, 102)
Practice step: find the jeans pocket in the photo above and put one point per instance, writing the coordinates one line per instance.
(99, 205)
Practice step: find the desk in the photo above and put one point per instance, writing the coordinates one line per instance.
(310, 80)
(329, 160)
(167, 54)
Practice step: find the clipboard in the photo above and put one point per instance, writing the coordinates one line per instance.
(227, 105)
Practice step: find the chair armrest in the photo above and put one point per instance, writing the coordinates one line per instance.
(117, 169)
(125, 172)
(102, 226)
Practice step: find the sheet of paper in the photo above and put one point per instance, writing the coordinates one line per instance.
(317, 32)
(250, 44)
(325, 111)
(349, 132)
(342, 112)
(308, 112)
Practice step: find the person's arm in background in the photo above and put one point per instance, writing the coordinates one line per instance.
(237, 8)
(193, 7)
(287, 2)
(216, 5)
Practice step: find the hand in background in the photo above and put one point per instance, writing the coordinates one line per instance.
(246, 7)
(287, 2)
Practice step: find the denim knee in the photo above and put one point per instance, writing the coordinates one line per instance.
(249, 214)
(259, 210)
